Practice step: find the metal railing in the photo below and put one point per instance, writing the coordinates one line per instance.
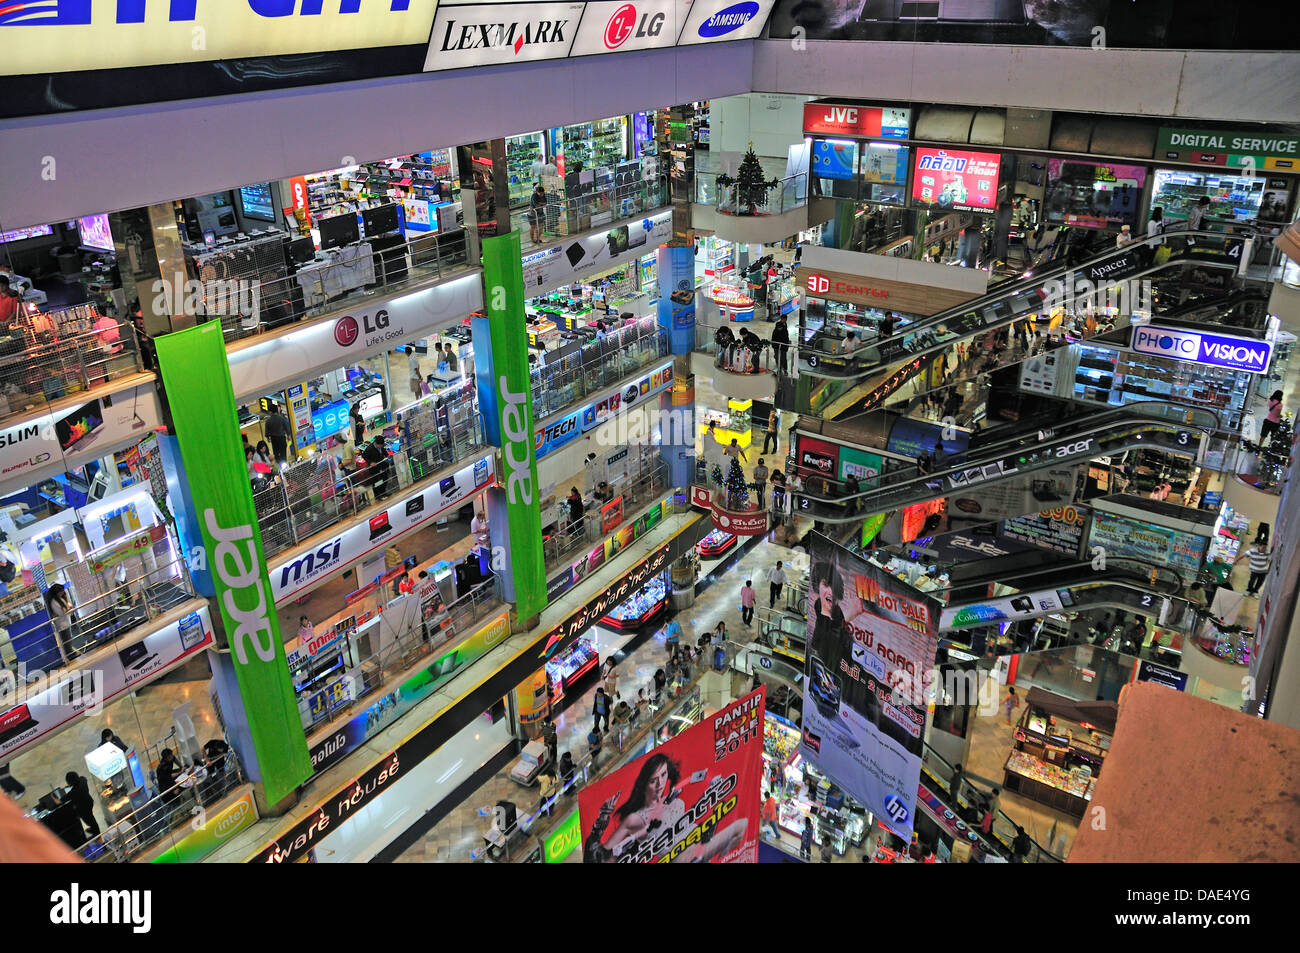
(312, 495)
(570, 538)
(320, 287)
(115, 611)
(566, 215)
(167, 815)
(54, 354)
(791, 192)
(561, 383)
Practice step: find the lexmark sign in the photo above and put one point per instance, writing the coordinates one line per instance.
(1200, 347)
(485, 34)
(105, 34)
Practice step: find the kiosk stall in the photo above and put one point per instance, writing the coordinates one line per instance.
(1060, 745)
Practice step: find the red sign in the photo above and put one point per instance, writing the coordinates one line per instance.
(298, 196)
(956, 179)
(611, 514)
(741, 523)
(702, 497)
(860, 122)
(620, 26)
(693, 799)
(823, 286)
(819, 458)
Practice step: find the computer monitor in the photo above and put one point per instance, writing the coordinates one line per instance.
(338, 230)
(300, 250)
(380, 220)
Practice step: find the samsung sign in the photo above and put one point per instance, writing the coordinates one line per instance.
(1201, 347)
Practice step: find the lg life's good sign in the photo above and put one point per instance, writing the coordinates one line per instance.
(490, 34)
(108, 34)
(861, 122)
(1200, 347)
(618, 27)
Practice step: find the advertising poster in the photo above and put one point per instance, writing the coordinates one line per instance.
(971, 545)
(1014, 496)
(1093, 195)
(860, 464)
(1177, 550)
(196, 376)
(503, 391)
(817, 457)
(871, 647)
(1034, 22)
(1024, 605)
(1059, 529)
(190, 849)
(694, 799)
(956, 179)
(549, 268)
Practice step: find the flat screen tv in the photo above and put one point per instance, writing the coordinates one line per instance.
(338, 230)
(95, 233)
(79, 425)
(380, 220)
(256, 202)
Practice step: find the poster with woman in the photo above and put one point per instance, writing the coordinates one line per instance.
(694, 799)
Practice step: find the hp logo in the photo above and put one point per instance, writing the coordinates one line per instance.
(896, 809)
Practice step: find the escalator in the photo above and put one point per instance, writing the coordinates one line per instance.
(881, 367)
(1108, 433)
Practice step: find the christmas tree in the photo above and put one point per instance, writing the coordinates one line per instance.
(751, 187)
(737, 491)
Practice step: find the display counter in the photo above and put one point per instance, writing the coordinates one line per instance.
(1065, 791)
(839, 818)
(569, 668)
(641, 608)
(717, 543)
(733, 304)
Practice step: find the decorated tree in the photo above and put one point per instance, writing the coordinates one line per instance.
(737, 491)
(751, 188)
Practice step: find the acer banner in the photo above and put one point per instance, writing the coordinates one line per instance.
(693, 799)
(504, 401)
(871, 647)
(197, 381)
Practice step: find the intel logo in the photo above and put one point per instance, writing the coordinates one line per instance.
(728, 20)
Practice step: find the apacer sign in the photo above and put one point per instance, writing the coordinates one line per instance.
(862, 122)
(825, 287)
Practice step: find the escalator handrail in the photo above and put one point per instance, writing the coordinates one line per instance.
(1106, 602)
(1096, 575)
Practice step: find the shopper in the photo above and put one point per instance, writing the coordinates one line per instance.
(660, 680)
(11, 306)
(775, 582)
(806, 840)
(611, 680)
(1196, 216)
(576, 523)
(672, 635)
(778, 493)
(1010, 702)
(760, 481)
(954, 786)
(567, 771)
(1020, 846)
(736, 452)
(593, 743)
(82, 802)
(1261, 558)
(772, 435)
(600, 708)
(780, 343)
(639, 709)
(1156, 224)
(547, 787)
(277, 430)
(747, 596)
(168, 768)
(770, 815)
(536, 211)
(262, 454)
(304, 630)
(828, 852)
(59, 605)
(550, 738)
(453, 363)
(719, 634)
(1272, 420)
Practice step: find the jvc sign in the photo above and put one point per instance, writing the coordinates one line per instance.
(1201, 347)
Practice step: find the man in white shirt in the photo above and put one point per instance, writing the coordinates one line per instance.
(775, 579)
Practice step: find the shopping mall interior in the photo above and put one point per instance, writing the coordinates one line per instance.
(892, 395)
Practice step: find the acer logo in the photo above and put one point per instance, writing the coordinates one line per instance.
(477, 36)
(237, 565)
(514, 434)
(841, 114)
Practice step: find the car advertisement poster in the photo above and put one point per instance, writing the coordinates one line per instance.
(693, 799)
(871, 648)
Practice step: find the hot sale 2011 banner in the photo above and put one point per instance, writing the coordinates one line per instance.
(693, 799)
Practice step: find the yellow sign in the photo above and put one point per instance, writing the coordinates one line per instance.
(108, 34)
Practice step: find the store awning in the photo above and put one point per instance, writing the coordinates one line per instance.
(1102, 715)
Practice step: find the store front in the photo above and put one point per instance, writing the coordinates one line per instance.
(1060, 746)
(613, 300)
(800, 790)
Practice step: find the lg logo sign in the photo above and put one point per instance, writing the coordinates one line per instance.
(623, 24)
(346, 331)
(819, 284)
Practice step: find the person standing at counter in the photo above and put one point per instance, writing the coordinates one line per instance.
(453, 365)
(278, 431)
(168, 768)
(576, 510)
(358, 425)
(82, 802)
(536, 208)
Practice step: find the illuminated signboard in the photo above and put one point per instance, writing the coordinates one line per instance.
(620, 26)
(956, 179)
(108, 34)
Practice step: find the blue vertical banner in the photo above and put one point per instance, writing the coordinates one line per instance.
(485, 386)
(187, 525)
(676, 312)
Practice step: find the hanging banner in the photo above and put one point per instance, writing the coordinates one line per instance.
(196, 376)
(506, 406)
(871, 647)
(694, 799)
(741, 523)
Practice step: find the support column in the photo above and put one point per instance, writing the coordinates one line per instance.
(676, 315)
(149, 250)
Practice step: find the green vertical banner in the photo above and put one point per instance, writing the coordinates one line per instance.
(510, 404)
(196, 376)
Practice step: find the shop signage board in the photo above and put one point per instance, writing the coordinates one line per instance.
(1093, 195)
(506, 406)
(883, 293)
(856, 121)
(44, 444)
(622, 26)
(818, 457)
(136, 544)
(110, 34)
(988, 493)
(871, 647)
(266, 365)
(747, 523)
(723, 20)
(491, 34)
(196, 376)
(1266, 151)
(301, 415)
(290, 577)
(341, 741)
(711, 777)
(190, 849)
(563, 635)
(558, 432)
(47, 706)
(611, 514)
(1201, 347)
(1161, 675)
(956, 179)
(558, 265)
(701, 497)
(1173, 548)
(1025, 605)
(1059, 529)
